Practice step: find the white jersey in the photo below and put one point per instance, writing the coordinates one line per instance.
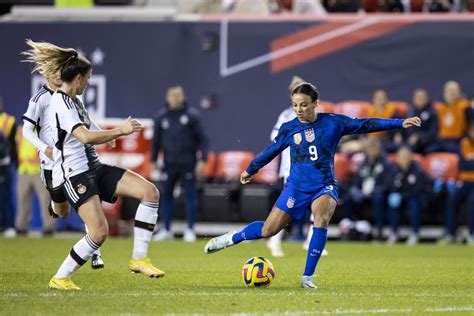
(71, 157)
(37, 114)
(285, 159)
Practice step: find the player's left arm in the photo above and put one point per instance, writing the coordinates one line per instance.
(370, 125)
(276, 147)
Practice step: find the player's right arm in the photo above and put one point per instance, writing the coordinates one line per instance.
(276, 147)
(30, 135)
(30, 122)
(95, 137)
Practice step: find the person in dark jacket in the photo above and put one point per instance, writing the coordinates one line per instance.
(180, 135)
(422, 137)
(405, 183)
(367, 185)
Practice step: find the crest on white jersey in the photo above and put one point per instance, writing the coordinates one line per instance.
(309, 135)
(291, 202)
(297, 138)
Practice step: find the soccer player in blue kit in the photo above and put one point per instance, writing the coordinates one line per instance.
(313, 138)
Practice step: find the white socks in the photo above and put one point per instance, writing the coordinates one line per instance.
(80, 253)
(97, 252)
(145, 220)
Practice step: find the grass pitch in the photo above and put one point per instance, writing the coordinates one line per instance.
(356, 279)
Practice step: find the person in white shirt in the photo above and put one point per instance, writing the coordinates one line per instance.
(78, 172)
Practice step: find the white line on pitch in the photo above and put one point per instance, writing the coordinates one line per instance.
(227, 71)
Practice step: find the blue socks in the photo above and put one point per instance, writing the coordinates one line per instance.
(316, 247)
(250, 232)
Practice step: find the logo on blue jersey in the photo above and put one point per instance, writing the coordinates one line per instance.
(297, 138)
(328, 188)
(309, 135)
(291, 202)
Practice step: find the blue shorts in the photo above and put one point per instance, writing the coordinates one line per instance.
(295, 203)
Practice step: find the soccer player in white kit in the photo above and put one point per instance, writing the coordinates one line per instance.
(39, 134)
(274, 243)
(78, 172)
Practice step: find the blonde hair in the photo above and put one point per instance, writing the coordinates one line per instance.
(52, 61)
(48, 58)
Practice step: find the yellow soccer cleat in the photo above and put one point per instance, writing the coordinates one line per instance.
(62, 284)
(145, 267)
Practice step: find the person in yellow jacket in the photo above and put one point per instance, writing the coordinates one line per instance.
(8, 159)
(29, 181)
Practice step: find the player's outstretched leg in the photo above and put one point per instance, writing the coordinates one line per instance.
(322, 208)
(92, 214)
(135, 186)
(275, 222)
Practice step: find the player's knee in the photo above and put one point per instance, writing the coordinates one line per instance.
(99, 234)
(150, 192)
(62, 209)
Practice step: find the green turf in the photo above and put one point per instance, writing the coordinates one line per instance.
(355, 279)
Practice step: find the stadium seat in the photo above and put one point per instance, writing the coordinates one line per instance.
(356, 109)
(370, 5)
(230, 164)
(417, 5)
(442, 166)
(220, 200)
(325, 107)
(401, 108)
(268, 174)
(342, 167)
(210, 168)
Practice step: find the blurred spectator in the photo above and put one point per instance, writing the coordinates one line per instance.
(308, 7)
(383, 108)
(464, 191)
(341, 5)
(418, 139)
(405, 184)
(367, 185)
(452, 118)
(8, 158)
(180, 135)
(29, 181)
(439, 6)
(257, 7)
(394, 6)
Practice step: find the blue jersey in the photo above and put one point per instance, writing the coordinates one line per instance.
(313, 145)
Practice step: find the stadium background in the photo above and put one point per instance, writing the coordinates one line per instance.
(237, 69)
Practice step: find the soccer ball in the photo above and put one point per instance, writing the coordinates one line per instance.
(258, 271)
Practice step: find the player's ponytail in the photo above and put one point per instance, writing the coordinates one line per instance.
(308, 89)
(52, 61)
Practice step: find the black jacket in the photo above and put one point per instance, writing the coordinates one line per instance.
(408, 182)
(428, 132)
(180, 135)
